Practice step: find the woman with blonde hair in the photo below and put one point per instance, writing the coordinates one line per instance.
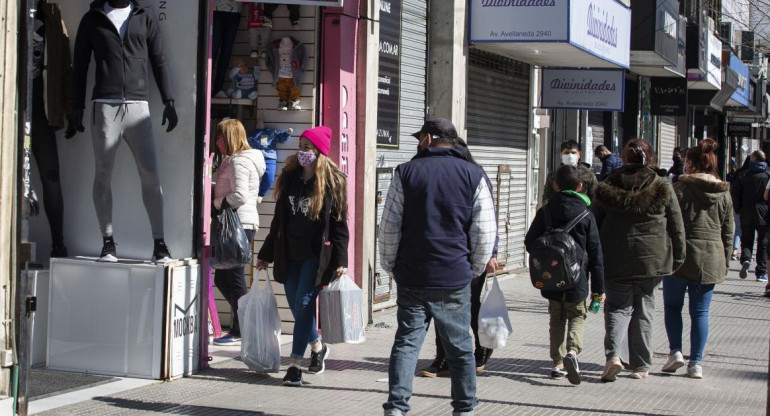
(237, 186)
(308, 241)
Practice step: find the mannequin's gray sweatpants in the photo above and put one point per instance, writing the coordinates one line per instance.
(132, 122)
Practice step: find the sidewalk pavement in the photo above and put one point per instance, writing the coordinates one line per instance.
(516, 382)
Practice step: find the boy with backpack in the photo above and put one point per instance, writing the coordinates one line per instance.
(563, 243)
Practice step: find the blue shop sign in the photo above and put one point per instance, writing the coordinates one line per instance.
(741, 96)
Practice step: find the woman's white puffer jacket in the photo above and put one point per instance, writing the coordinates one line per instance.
(238, 181)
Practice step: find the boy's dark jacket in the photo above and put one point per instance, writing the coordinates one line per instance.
(563, 208)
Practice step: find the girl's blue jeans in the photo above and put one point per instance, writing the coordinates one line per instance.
(301, 293)
(674, 289)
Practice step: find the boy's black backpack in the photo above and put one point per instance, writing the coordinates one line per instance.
(555, 258)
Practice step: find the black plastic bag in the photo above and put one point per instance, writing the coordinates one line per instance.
(231, 245)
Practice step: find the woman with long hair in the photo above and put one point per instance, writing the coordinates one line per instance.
(237, 185)
(707, 210)
(308, 241)
(642, 235)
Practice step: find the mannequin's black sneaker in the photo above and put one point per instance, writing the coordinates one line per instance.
(58, 250)
(109, 254)
(318, 360)
(293, 377)
(160, 253)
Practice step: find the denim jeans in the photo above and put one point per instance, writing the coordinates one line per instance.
(674, 289)
(451, 312)
(477, 288)
(301, 293)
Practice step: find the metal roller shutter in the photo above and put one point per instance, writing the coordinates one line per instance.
(412, 104)
(667, 141)
(596, 124)
(497, 122)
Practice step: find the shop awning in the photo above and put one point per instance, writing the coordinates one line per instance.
(563, 33)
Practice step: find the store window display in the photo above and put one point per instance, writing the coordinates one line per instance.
(123, 36)
(267, 140)
(52, 103)
(244, 81)
(227, 15)
(269, 8)
(260, 29)
(286, 62)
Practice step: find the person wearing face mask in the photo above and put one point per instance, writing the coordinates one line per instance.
(570, 155)
(238, 179)
(678, 167)
(308, 241)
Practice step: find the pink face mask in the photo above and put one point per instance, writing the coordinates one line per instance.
(306, 158)
(221, 145)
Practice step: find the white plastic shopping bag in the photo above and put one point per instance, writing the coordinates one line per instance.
(260, 328)
(342, 312)
(494, 324)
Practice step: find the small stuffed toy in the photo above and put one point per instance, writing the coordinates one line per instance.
(244, 81)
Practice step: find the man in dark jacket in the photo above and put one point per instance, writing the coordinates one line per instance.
(678, 164)
(749, 201)
(437, 232)
(610, 161)
(570, 155)
(567, 309)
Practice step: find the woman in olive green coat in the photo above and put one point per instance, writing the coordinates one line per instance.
(642, 235)
(708, 221)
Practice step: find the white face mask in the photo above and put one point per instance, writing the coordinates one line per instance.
(570, 159)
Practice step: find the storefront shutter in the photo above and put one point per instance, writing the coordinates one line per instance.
(667, 141)
(412, 109)
(498, 118)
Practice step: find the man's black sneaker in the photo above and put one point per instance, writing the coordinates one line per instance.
(482, 356)
(744, 269)
(438, 368)
(58, 250)
(573, 369)
(318, 360)
(109, 254)
(293, 377)
(160, 253)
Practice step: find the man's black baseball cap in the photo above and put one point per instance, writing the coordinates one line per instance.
(438, 127)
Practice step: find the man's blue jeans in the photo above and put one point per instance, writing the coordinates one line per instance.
(451, 312)
(301, 293)
(674, 289)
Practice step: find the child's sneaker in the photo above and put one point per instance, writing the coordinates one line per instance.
(675, 361)
(612, 368)
(558, 373)
(573, 369)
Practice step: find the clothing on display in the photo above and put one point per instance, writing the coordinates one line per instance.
(120, 108)
(286, 62)
(267, 140)
(260, 29)
(224, 29)
(269, 8)
(52, 101)
(244, 82)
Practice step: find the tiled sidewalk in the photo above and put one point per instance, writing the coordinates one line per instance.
(516, 382)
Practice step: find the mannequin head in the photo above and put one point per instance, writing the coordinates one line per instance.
(118, 4)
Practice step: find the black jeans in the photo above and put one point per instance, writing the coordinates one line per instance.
(222, 38)
(477, 287)
(46, 155)
(747, 244)
(269, 8)
(232, 285)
